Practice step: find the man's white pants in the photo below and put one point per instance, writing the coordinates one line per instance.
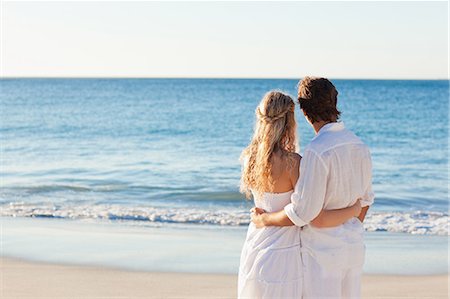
(332, 260)
(321, 283)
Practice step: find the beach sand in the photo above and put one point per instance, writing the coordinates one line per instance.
(23, 279)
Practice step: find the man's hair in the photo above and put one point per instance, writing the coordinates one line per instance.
(318, 99)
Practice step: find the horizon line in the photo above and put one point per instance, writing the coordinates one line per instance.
(217, 78)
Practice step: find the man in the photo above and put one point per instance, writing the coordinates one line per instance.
(335, 170)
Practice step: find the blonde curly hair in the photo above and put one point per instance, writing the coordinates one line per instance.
(275, 130)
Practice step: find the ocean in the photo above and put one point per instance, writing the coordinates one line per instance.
(153, 152)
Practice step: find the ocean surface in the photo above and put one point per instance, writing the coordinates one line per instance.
(165, 151)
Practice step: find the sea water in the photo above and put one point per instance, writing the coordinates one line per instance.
(143, 174)
(166, 150)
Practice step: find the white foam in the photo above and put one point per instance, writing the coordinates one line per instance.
(418, 222)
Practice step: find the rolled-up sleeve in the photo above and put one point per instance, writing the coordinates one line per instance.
(308, 197)
(369, 196)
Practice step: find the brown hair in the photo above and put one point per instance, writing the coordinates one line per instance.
(318, 99)
(275, 130)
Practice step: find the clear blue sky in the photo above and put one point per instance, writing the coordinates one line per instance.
(218, 39)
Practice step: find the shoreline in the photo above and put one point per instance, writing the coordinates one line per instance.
(25, 279)
(190, 249)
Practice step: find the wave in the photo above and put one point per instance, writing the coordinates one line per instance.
(417, 222)
(115, 212)
(116, 189)
(194, 193)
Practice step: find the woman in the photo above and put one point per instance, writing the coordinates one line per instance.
(271, 265)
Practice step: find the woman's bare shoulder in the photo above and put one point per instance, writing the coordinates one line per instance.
(294, 172)
(296, 158)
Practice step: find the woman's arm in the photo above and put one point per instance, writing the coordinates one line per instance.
(337, 217)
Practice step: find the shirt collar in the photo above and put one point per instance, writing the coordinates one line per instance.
(331, 127)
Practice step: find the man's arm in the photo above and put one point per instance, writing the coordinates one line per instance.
(368, 197)
(308, 197)
(326, 218)
(332, 218)
(260, 218)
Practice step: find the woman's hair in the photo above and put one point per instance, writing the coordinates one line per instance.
(275, 130)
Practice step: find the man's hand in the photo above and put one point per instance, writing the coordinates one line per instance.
(257, 215)
(357, 207)
(363, 213)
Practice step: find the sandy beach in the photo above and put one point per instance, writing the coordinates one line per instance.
(23, 279)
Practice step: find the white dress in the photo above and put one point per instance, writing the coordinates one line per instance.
(271, 264)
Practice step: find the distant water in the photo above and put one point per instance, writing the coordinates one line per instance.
(166, 150)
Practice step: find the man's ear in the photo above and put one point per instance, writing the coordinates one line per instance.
(304, 113)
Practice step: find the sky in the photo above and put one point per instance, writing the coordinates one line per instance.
(361, 40)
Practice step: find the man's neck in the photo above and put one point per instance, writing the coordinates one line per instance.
(319, 124)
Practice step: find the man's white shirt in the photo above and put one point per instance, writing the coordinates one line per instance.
(335, 171)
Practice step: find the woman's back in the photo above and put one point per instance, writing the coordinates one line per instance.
(285, 171)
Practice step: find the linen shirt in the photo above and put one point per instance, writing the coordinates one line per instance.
(335, 171)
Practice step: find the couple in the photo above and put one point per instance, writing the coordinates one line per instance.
(306, 235)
